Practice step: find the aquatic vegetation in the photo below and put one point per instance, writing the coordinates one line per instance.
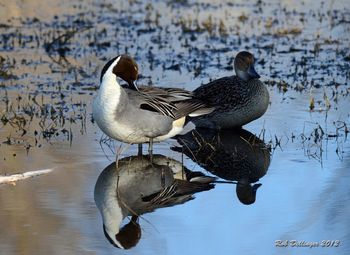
(198, 43)
(5, 68)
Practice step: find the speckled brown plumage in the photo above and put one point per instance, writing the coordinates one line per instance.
(237, 99)
(224, 93)
(236, 102)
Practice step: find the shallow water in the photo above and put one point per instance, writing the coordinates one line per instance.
(51, 59)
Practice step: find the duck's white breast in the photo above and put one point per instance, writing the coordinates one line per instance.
(104, 111)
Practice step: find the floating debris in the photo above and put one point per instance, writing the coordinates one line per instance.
(12, 179)
(312, 103)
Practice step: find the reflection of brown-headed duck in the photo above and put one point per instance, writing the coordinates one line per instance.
(237, 99)
(134, 186)
(235, 155)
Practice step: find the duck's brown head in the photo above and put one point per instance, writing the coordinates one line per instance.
(244, 66)
(124, 67)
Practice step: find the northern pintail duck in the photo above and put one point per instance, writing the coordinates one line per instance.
(237, 99)
(229, 154)
(138, 115)
(134, 186)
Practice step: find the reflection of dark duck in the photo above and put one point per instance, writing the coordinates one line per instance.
(136, 187)
(235, 155)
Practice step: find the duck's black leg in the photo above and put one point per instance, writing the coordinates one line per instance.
(150, 149)
(139, 152)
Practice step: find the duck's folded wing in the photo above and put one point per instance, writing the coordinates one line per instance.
(192, 108)
(159, 104)
(221, 92)
(170, 102)
(180, 191)
(151, 102)
(171, 94)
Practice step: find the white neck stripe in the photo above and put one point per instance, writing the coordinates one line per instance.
(110, 68)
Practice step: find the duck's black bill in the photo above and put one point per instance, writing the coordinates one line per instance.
(132, 85)
(256, 186)
(252, 73)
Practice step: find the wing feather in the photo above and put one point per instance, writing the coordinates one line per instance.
(172, 102)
